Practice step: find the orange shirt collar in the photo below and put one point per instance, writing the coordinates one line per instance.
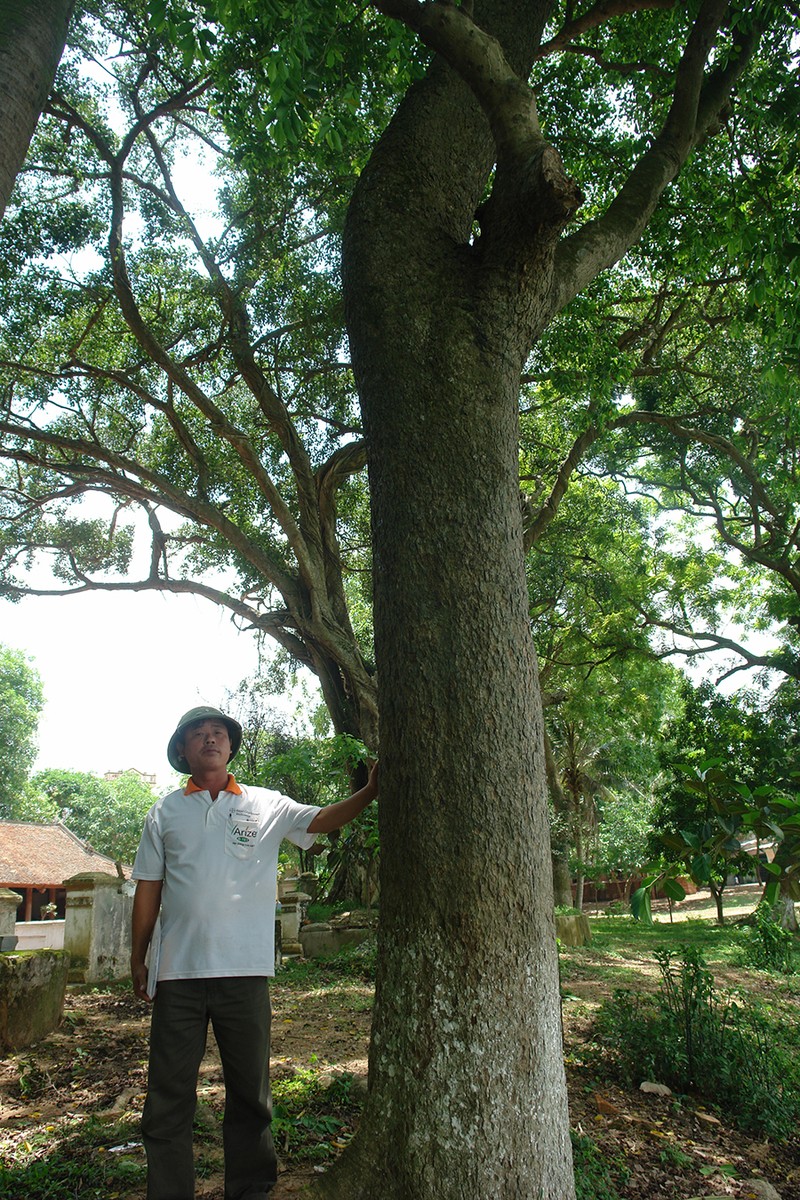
(231, 786)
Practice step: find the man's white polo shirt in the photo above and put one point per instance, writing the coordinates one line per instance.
(219, 863)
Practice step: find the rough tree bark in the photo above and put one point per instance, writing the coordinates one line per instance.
(467, 1093)
(32, 37)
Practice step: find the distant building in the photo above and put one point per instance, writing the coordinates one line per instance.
(150, 780)
(36, 859)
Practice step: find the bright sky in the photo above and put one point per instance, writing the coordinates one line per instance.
(120, 670)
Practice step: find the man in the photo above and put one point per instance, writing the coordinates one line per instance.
(207, 862)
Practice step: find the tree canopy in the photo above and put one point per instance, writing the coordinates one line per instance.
(177, 349)
(500, 203)
(106, 813)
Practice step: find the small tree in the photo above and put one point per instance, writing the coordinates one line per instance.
(626, 821)
(578, 764)
(713, 847)
(106, 813)
(732, 813)
(21, 700)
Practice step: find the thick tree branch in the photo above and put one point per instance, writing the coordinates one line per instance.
(535, 526)
(142, 332)
(697, 100)
(270, 404)
(80, 460)
(217, 420)
(604, 11)
(761, 500)
(478, 58)
(709, 642)
(532, 192)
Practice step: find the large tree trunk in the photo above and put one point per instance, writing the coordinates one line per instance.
(467, 1089)
(467, 1093)
(32, 37)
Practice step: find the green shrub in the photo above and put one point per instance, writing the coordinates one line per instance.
(323, 912)
(694, 1039)
(768, 946)
(354, 962)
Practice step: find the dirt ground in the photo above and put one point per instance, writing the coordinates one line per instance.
(95, 1064)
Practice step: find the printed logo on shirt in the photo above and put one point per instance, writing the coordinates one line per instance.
(241, 833)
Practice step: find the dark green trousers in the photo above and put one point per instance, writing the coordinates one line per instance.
(240, 1015)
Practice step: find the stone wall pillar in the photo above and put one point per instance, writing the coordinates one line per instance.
(293, 911)
(97, 930)
(9, 902)
(309, 883)
(32, 986)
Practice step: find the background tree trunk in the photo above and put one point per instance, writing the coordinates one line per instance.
(32, 37)
(559, 843)
(562, 880)
(785, 913)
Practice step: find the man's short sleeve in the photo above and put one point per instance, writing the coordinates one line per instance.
(301, 817)
(149, 861)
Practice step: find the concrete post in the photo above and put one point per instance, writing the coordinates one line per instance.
(293, 906)
(97, 930)
(309, 883)
(9, 902)
(286, 885)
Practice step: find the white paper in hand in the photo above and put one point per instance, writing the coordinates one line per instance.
(153, 955)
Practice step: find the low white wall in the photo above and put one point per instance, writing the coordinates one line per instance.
(40, 935)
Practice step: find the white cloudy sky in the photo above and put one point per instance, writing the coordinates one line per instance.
(119, 670)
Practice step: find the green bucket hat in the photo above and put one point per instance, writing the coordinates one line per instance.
(203, 713)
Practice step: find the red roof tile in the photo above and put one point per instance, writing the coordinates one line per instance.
(45, 855)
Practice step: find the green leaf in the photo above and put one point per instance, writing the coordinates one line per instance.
(673, 890)
(641, 908)
(701, 868)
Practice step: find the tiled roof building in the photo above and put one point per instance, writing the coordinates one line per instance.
(36, 859)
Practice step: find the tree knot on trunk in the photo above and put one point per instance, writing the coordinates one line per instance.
(547, 191)
(531, 202)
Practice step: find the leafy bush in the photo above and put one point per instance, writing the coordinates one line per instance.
(324, 912)
(354, 962)
(768, 946)
(694, 1039)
